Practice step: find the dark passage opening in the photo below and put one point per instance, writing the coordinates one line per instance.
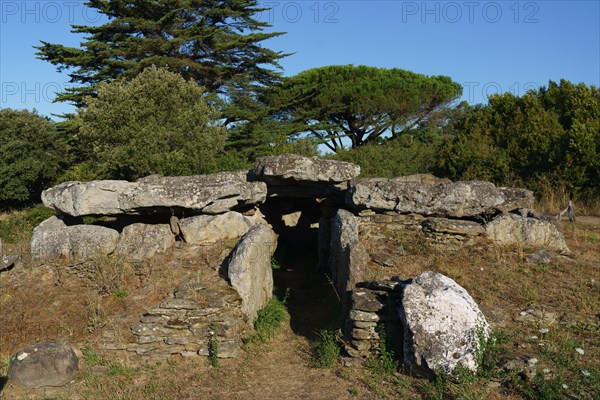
(311, 299)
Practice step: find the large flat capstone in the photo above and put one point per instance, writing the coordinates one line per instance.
(446, 199)
(292, 168)
(209, 194)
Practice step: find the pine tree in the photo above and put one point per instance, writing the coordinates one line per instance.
(216, 43)
(341, 104)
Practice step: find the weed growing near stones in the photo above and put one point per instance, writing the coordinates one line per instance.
(213, 349)
(490, 352)
(4, 363)
(120, 294)
(96, 318)
(119, 369)
(386, 361)
(91, 357)
(326, 349)
(269, 319)
(275, 264)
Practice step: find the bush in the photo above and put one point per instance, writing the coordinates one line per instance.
(549, 135)
(32, 156)
(412, 153)
(157, 123)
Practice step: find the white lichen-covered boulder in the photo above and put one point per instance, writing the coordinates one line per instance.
(213, 228)
(443, 326)
(44, 364)
(249, 269)
(54, 239)
(514, 229)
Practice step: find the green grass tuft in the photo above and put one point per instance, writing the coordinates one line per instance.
(269, 320)
(326, 349)
(385, 362)
(213, 350)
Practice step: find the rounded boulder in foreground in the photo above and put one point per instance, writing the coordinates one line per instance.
(44, 364)
(443, 326)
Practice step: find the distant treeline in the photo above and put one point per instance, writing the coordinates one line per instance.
(159, 123)
(206, 94)
(547, 140)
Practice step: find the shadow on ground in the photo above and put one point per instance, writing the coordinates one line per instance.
(3, 382)
(312, 301)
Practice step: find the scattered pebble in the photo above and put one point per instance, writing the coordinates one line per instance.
(565, 386)
(585, 372)
(580, 351)
(523, 313)
(532, 361)
(534, 337)
(544, 330)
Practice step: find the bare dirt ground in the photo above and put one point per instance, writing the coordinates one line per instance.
(47, 303)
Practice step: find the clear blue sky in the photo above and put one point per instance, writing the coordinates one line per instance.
(487, 46)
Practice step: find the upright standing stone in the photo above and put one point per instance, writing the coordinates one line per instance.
(348, 256)
(213, 228)
(140, 241)
(54, 239)
(249, 269)
(512, 228)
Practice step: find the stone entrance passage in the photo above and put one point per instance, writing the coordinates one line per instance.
(310, 297)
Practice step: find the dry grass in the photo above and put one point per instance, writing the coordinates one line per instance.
(551, 200)
(564, 295)
(59, 302)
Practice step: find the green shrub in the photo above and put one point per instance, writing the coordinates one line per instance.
(31, 156)
(213, 349)
(409, 154)
(551, 135)
(157, 123)
(490, 352)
